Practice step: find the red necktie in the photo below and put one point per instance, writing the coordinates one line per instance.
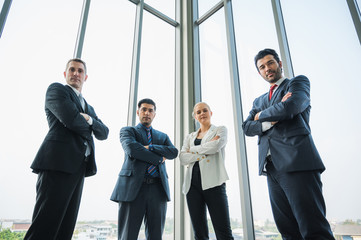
(271, 91)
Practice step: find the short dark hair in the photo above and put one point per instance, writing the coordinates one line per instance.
(265, 52)
(76, 60)
(148, 101)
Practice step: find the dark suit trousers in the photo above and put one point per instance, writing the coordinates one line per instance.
(217, 202)
(150, 204)
(58, 197)
(297, 204)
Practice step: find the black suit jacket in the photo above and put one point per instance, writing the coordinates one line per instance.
(289, 141)
(137, 158)
(63, 148)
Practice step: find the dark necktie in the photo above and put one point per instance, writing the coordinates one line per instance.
(82, 102)
(151, 170)
(271, 91)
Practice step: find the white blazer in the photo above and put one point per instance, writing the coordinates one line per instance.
(210, 155)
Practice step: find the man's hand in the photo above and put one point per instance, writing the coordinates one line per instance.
(147, 147)
(86, 116)
(163, 159)
(257, 116)
(287, 96)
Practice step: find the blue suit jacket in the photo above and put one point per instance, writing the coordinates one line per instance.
(289, 140)
(63, 148)
(137, 158)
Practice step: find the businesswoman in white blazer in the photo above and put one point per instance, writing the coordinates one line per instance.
(204, 185)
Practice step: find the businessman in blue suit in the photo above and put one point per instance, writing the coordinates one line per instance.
(142, 189)
(287, 153)
(65, 157)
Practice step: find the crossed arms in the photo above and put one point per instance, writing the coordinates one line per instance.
(294, 102)
(138, 151)
(190, 154)
(63, 109)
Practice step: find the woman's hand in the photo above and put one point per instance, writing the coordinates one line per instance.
(215, 138)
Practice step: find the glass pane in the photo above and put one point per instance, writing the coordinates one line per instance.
(205, 5)
(328, 52)
(1, 4)
(34, 47)
(156, 81)
(216, 91)
(166, 7)
(255, 30)
(108, 54)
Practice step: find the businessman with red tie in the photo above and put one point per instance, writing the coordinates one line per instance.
(287, 153)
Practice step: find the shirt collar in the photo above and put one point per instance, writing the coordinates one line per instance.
(279, 82)
(75, 90)
(144, 127)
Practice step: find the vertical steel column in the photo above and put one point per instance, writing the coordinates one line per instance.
(197, 91)
(4, 14)
(243, 177)
(179, 118)
(187, 92)
(282, 39)
(356, 16)
(81, 30)
(134, 79)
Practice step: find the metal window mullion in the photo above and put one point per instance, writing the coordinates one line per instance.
(196, 56)
(245, 198)
(134, 79)
(4, 14)
(160, 15)
(356, 16)
(179, 200)
(81, 30)
(282, 39)
(157, 13)
(209, 13)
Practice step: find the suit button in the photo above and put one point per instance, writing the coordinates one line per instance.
(203, 157)
(208, 160)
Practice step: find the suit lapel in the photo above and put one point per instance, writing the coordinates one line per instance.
(142, 133)
(154, 136)
(276, 94)
(209, 134)
(194, 135)
(75, 98)
(86, 110)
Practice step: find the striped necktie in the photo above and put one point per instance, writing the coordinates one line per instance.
(151, 170)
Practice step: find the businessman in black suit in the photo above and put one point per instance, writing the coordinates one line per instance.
(142, 189)
(65, 157)
(287, 153)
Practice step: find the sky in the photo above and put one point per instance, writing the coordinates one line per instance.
(39, 37)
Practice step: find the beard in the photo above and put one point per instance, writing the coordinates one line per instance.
(277, 75)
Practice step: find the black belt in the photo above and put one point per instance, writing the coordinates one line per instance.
(151, 180)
